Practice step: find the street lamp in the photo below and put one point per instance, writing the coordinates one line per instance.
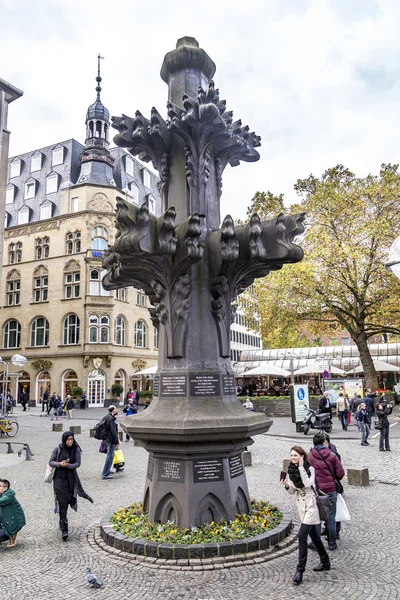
(18, 361)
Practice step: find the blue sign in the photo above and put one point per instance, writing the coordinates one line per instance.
(300, 394)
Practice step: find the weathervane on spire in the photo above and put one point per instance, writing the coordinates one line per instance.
(98, 78)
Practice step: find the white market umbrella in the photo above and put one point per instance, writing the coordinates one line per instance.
(379, 366)
(266, 369)
(318, 368)
(148, 371)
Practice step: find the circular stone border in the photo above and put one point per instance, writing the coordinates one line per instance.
(199, 555)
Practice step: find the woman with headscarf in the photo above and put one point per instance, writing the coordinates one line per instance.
(300, 482)
(66, 458)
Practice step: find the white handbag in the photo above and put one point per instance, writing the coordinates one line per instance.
(49, 475)
(342, 512)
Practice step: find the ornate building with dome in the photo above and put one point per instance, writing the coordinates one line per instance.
(60, 203)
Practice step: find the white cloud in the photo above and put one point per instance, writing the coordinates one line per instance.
(317, 79)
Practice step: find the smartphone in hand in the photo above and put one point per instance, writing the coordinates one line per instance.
(283, 475)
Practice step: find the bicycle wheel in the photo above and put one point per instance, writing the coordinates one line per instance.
(12, 428)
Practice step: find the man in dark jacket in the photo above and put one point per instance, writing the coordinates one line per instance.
(110, 439)
(24, 399)
(328, 468)
(325, 405)
(369, 401)
(12, 517)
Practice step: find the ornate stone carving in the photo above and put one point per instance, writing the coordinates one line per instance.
(13, 275)
(100, 203)
(42, 363)
(155, 255)
(40, 271)
(139, 364)
(72, 265)
(97, 362)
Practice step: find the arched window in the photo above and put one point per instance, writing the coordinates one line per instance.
(12, 334)
(90, 128)
(42, 248)
(120, 331)
(155, 338)
(40, 284)
(40, 332)
(99, 329)
(104, 329)
(46, 209)
(13, 286)
(72, 280)
(19, 252)
(93, 329)
(96, 388)
(71, 330)
(43, 382)
(73, 242)
(99, 238)
(23, 215)
(98, 129)
(120, 378)
(96, 288)
(69, 379)
(140, 334)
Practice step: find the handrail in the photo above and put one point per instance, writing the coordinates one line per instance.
(28, 453)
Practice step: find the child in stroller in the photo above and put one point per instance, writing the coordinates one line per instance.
(58, 408)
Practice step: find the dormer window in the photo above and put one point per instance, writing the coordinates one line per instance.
(23, 216)
(30, 189)
(129, 166)
(36, 162)
(134, 192)
(146, 178)
(15, 168)
(52, 183)
(10, 194)
(46, 210)
(58, 156)
(152, 205)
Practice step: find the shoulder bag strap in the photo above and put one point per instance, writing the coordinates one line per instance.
(329, 469)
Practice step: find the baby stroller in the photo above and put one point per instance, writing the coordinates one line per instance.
(59, 409)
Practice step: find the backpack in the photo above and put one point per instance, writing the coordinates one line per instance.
(100, 430)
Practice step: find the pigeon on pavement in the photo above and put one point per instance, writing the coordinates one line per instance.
(92, 579)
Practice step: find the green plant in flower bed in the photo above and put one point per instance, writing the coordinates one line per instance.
(133, 521)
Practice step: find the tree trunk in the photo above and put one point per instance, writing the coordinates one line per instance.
(371, 377)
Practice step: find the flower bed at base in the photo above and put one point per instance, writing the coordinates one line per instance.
(133, 522)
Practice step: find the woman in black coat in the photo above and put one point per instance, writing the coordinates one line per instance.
(66, 457)
(382, 413)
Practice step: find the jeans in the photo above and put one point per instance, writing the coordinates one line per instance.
(384, 439)
(109, 459)
(3, 536)
(356, 422)
(343, 418)
(330, 524)
(312, 531)
(365, 429)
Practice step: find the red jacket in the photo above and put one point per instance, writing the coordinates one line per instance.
(324, 479)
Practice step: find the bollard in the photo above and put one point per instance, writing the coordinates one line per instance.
(75, 429)
(91, 433)
(57, 427)
(246, 458)
(28, 453)
(121, 436)
(358, 476)
(9, 449)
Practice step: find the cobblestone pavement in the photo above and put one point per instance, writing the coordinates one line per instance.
(41, 566)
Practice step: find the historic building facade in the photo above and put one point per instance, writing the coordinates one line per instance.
(60, 205)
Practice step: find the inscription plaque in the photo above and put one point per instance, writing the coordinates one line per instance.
(205, 385)
(228, 385)
(173, 385)
(208, 470)
(235, 466)
(156, 385)
(150, 467)
(171, 470)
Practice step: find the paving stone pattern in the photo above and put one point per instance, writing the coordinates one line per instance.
(41, 566)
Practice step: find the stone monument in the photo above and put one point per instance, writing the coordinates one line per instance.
(191, 269)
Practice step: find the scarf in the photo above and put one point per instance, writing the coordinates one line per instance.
(294, 473)
(67, 451)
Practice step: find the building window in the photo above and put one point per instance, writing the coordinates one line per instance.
(72, 284)
(12, 334)
(345, 341)
(36, 162)
(146, 178)
(134, 192)
(120, 294)
(71, 330)
(15, 253)
(40, 332)
(74, 204)
(99, 329)
(6, 220)
(42, 249)
(120, 331)
(152, 205)
(15, 168)
(10, 193)
(73, 242)
(129, 165)
(58, 156)
(23, 216)
(30, 189)
(52, 183)
(99, 238)
(40, 288)
(96, 288)
(140, 298)
(140, 334)
(13, 289)
(46, 210)
(155, 338)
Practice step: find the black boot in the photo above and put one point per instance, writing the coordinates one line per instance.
(64, 529)
(326, 566)
(298, 578)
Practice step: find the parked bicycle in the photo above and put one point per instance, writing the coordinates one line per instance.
(8, 427)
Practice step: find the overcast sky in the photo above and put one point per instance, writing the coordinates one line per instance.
(317, 79)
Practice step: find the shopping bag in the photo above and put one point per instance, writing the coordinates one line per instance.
(49, 474)
(103, 447)
(342, 512)
(118, 457)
